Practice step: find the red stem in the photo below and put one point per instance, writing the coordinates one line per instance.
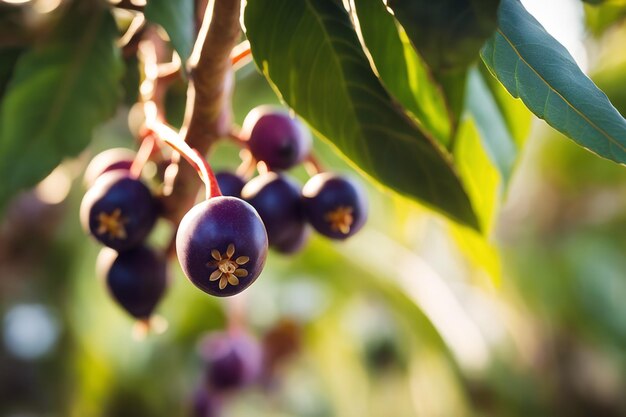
(313, 166)
(195, 159)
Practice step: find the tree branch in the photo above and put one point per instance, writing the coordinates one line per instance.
(208, 114)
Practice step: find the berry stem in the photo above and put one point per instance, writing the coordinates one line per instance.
(143, 155)
(240, 53)
(248, 164)
(173, 139)
(312, 165)
(236, 138)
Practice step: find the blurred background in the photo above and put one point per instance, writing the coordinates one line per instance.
(413, 316)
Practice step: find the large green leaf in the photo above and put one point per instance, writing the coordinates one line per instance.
(533, 66)
(60, 90)
(401, 70)
(478, 173)
(447, 33)
(309, 50)
(483, 181)
(8, 59)
(177, 18)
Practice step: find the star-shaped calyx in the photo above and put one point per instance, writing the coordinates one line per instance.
(228, 268)
(112, 224)
(340, 219)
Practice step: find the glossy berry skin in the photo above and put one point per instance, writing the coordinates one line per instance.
(334, 205)
(230, 183)
(222, 245)
(277, 200)
(136, 279)
(233, 359)
(295, 242)
(119, 211)
(109, 160)
(276, 138)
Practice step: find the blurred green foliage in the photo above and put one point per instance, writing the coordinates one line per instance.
(412, 317)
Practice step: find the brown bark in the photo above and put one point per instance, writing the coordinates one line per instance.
(209, 114)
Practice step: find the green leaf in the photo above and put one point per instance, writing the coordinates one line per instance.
(447, 33)
(611, 79)
(494, 132)
(401, 70)
(516, 115)
(603, 15)
(533, 66)
(60, 90)
(479, 175)
(310, 52)
(483, 182)
(8, 59)
(177, 18)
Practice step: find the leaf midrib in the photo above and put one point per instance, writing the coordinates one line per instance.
(359, 126)
(555, 91)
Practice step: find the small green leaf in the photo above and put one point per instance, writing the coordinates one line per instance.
(401, 70)
(177, 18)
(494, 133)
(603, 15)
(612, 79)
(309, 50)
(447, 33)
(516, 115)
(533, 66)
(60, 90)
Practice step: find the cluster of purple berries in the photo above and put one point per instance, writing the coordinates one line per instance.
(234, 360)
(119, 211)
(222, 242)
(334, 205)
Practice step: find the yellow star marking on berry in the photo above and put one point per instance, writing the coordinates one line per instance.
(113, 224)
(340, 219)
(228, 270)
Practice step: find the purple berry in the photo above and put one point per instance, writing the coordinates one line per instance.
(109, 160)
(204, 404)
(230, 184)
(119, 211)
(136, 279)
(233, 359)
(335, 206)
(277, 200)
(276, 138)
(222, 245)
(295, 242)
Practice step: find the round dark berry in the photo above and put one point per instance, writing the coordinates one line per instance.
(295, 242)
(230, 183)
(277, 200)
(204, 404)
(335, 206)
(136, 279)
(119, 211)
(109, 160)
(233, 359)
(276, 138)
(222, 245)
